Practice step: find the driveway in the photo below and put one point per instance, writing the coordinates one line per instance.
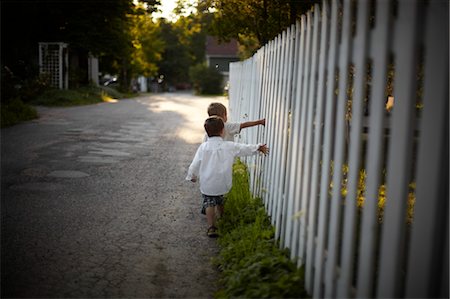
(94, 202)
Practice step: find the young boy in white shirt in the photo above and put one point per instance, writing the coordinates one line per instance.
(231, 129)
(212, 166)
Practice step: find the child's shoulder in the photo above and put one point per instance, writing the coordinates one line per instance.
(230, 124)
(232, 127)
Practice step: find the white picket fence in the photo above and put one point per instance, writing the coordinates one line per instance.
(301, 82)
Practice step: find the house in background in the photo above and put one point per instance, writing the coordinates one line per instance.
(219, 55)
(67, 66)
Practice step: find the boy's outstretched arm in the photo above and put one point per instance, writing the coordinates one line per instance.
(253, 123)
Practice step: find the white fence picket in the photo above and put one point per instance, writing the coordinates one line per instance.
(424, 266)
(283, 138)
(320, 255)
(299, 202)
(295, 128)
(287, 210)
(345, 286)
(278, 132)
(317, 150)
(339, 147)
(393, 237)
(369, 226)
(310, 116)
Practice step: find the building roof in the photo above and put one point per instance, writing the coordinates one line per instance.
(213, 47)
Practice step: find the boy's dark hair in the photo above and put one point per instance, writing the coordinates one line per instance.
(217, 109)
(213, 126)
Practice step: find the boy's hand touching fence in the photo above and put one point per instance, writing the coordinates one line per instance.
(263, 149)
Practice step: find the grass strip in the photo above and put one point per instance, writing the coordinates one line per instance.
(73, 97)
(251, 263)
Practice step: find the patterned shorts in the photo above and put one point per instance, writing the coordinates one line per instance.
(211, 201)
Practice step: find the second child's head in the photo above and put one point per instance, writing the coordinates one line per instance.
(219, 110)
(214, 126)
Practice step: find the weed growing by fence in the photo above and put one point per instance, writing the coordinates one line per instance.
(382, 194)
(251, 262)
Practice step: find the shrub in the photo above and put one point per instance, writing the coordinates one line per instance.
(33, 88)
(80, 96)
(251, 262)
(206, 80)
(15, 111)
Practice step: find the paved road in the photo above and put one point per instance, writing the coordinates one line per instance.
(94, 202)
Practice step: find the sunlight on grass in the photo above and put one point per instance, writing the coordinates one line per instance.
(106, 98)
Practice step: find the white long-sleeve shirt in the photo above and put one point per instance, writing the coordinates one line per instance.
(213, 163)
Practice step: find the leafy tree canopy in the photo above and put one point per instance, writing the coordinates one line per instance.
(254, 22)
(185, 40)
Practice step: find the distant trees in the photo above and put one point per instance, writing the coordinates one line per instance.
(185, 41)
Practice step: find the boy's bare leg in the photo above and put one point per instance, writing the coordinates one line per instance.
(210, 216)
(219, 211)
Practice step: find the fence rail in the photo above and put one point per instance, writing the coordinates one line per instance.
(356, 190)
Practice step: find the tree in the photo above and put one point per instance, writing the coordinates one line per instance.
(147, 45)
(175, 60)
(254, 20)
(185, 41)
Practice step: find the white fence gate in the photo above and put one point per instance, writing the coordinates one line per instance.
(358, 193)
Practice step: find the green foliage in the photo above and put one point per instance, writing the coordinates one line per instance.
(74, 97)
(184, 42)
(260, 19)
(147, 45)
(175, 61)
(382, 193)
(206, 80)
(15, 111)
(251, 262)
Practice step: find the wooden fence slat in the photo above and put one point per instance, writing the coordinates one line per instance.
(287, 211)
(424, 266)
(286, 105)
(270, 109)
(259, 69)
(392, 258)
(327, 147)
(295, 246)
(369, 226)
(360, 47)
(311, 98)
(339, 148)
(278, 146)
(270, 123)
(264, 93)
(295, 112)
(317, 150)
(274, 125)
(262, 113)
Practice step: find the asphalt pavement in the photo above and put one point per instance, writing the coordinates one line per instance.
(94, 203)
